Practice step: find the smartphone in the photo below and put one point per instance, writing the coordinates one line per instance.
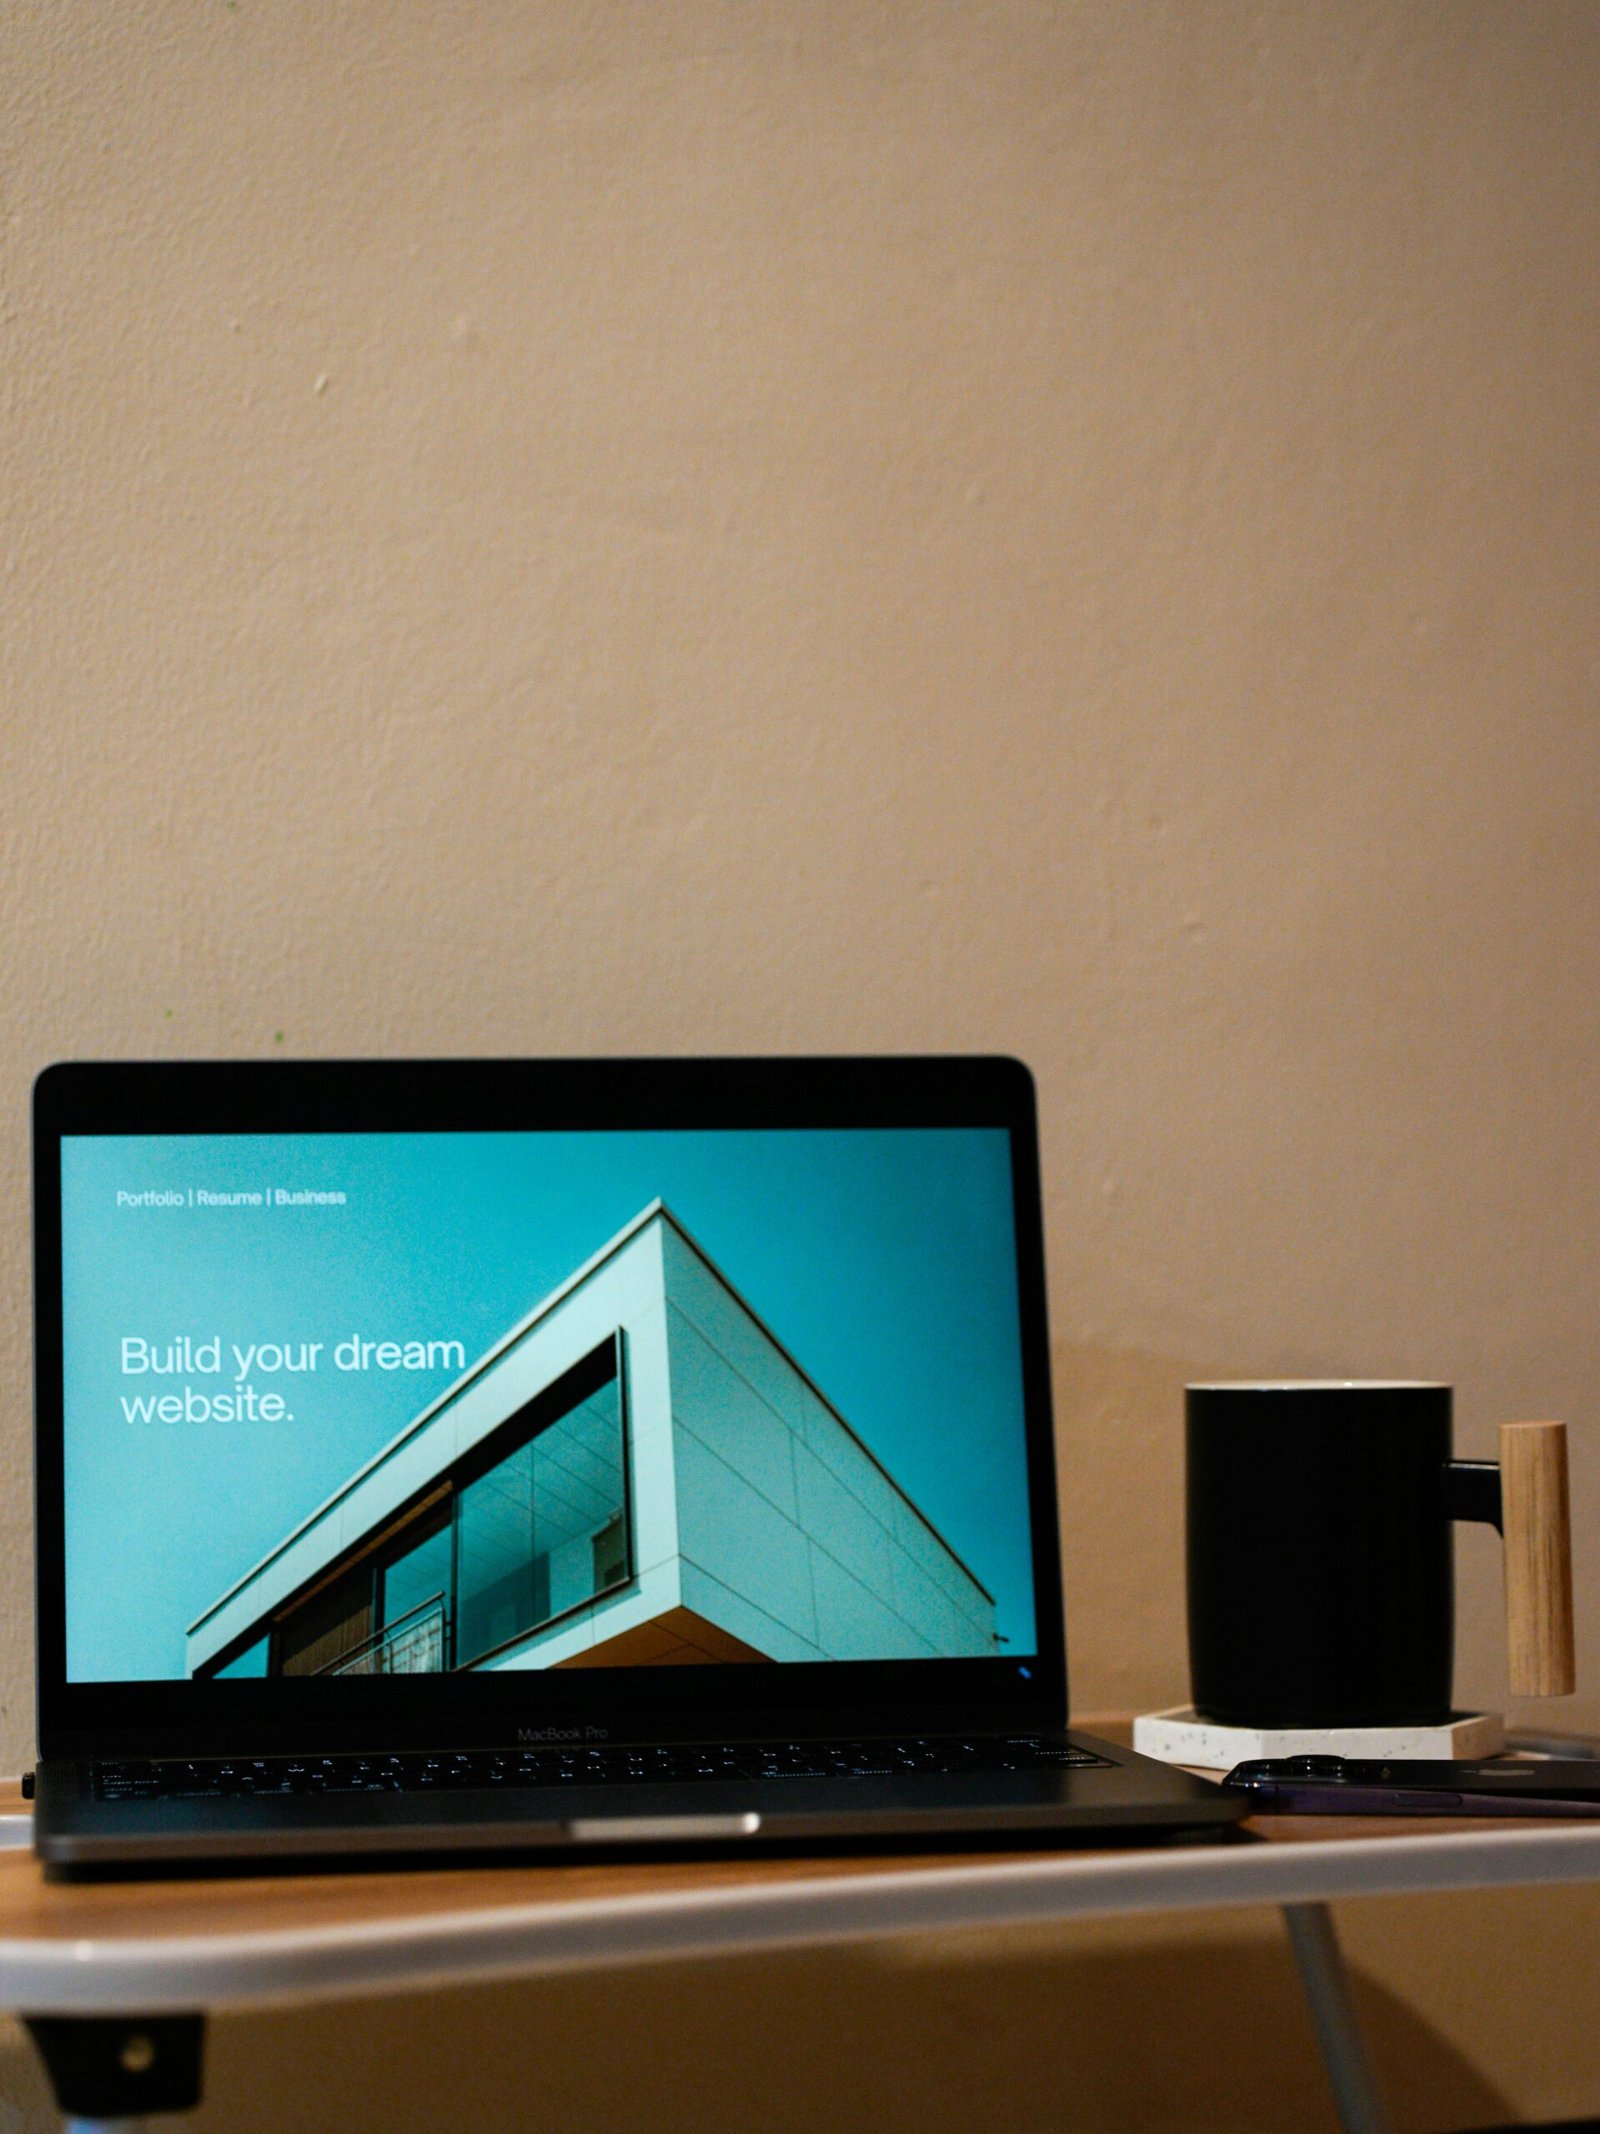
(1339, 1785)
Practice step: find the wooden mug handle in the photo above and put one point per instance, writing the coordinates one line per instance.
(1538, 1530)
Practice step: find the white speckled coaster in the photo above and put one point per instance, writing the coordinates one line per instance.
(1182, 1736)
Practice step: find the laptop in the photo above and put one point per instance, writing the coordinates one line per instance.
(438, 1458)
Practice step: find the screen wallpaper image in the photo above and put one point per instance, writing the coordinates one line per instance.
(409, 1403)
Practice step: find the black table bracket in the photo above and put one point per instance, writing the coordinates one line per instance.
(121, 2066)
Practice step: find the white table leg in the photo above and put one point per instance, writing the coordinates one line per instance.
(1327, 1992)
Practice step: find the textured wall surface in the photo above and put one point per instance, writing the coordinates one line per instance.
(1059, 527)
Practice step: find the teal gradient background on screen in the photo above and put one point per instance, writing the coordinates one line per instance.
(883, 1260)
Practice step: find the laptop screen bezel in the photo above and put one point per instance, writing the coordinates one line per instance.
(207, 1717)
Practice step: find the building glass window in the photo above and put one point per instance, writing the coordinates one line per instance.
(610, 1550)
(419, 1575)
(252, 1661)
(530, 1525)
(527, 1530)
(496, 1584)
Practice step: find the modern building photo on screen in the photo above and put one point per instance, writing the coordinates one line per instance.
(637, 1474)
(413, 1403)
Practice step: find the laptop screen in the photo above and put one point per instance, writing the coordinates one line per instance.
(338, 1405)
(396, 1403)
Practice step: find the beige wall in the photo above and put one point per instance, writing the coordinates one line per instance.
(1059, 527)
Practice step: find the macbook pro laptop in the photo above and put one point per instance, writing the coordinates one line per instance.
(512, 1455)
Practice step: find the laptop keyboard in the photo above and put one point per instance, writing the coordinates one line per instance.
(495, 1770)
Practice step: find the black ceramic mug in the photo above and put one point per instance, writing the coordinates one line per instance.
(1320, 1560)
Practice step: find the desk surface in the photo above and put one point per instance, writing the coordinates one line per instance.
(167, 1945)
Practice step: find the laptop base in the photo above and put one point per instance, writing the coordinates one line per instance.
(1116, 1794)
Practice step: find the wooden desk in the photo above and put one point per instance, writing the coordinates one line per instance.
(115, 1957)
